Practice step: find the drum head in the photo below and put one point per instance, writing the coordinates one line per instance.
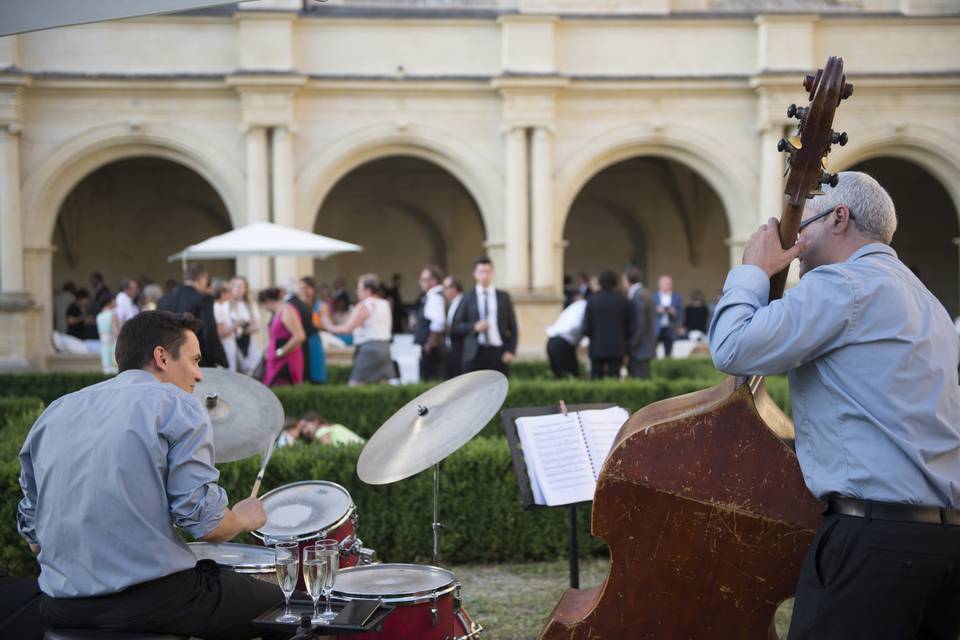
(242, 558)
(393, 582)
(302, 509)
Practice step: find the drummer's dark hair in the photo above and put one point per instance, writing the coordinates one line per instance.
(141, 334)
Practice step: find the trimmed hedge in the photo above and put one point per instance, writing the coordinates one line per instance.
(50, 386)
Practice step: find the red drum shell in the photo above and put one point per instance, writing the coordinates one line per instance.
(412, 619)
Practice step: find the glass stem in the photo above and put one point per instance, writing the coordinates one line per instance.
(287, 613)
(327, 611)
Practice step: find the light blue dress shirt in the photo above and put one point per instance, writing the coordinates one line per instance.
(107, 473)
(872, 360)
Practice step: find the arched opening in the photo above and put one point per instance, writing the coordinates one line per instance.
(655, 213)
(126, 217)
(928, 226)
(406, 212)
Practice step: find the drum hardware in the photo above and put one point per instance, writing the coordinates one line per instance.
(434, 612)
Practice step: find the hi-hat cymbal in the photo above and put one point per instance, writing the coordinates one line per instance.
(432, 426)
(246, 415)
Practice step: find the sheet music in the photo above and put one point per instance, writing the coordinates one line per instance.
(600, 427)
(555, 452)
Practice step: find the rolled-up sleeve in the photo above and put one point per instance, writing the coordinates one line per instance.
(26, 510)
(750, 337)
(197, 502)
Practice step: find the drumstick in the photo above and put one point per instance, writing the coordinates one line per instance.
(263, 468)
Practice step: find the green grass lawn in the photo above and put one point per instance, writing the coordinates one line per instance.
(512, 601)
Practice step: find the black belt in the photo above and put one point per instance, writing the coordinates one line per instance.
(893, 511)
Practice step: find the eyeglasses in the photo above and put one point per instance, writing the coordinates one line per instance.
(812, 219)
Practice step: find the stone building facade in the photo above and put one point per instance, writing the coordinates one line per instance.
(557, 136)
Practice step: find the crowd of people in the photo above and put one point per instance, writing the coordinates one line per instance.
(456, 329)
(624, 323)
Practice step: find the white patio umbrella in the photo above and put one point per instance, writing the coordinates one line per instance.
(265, 239)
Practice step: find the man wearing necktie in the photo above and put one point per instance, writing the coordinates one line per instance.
(486, 323)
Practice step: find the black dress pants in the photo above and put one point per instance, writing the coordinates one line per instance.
(490, 358)
(665, 335)
(563, 358)
(204, 602)
(875, 579)
(433, 363)
(605, 368)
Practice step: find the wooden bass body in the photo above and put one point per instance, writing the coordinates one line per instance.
(705, 512)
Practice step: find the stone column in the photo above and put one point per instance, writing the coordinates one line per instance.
(771, 173)
(257, 269)
(517, 213)
(281, 177)
(546, 273)
(11, 229)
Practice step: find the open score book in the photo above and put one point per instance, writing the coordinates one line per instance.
(564, 453)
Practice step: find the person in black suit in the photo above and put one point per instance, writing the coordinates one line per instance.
(453, 294)
(487, 344)
(608, 321)
(192, 297)
(643, 339)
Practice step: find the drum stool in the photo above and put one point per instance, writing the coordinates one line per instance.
(93, 634)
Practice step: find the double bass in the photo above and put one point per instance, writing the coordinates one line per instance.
(701, 501)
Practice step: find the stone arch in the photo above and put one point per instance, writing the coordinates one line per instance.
(479, 177)
(47, 187)
(734, 184)
(927, 147)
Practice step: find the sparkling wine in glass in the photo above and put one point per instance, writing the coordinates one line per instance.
(329, 550)
(286, 555)
(315, 569)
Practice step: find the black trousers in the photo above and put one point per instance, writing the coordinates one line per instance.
(433, 363)
(638, 368)
(490, 358)
(204, 602)
(605, 368)
(665, 335)
(879, 580)
(563, 358)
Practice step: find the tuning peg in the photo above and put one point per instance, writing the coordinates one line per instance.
(808, 83)
(829, 178)
(838, 138)
(847, 91)
(793, 111)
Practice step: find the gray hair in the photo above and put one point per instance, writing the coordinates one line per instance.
(871, 207)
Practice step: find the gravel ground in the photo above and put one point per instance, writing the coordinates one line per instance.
(512, 601)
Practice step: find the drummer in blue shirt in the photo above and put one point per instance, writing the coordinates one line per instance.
(872, 359)
(110, 472)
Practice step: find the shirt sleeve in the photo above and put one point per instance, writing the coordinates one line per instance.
(750, 337)
(197, 502)
(26, 510)
(434, 312)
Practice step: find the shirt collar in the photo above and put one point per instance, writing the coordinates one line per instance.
(491, 289)
(873, 247)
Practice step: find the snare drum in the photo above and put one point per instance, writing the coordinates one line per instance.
(242, 558)
(309, 511)
(427, 600)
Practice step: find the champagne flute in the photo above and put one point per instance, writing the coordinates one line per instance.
(329, 550)
(315, 568)
(287, 557)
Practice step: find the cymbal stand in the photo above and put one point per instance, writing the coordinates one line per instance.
(436, 515)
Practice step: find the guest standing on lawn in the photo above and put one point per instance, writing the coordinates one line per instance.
(370, 322)
(284, 358)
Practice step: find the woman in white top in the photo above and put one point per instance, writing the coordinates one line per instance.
(226, 328)
(371, 322)
(246, 317)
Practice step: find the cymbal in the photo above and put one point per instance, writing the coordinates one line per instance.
(432, 426)
(246, 415)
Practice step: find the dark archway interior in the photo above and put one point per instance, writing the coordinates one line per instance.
(406, 213)
(126, 217)
(655, 213)
(927, 225)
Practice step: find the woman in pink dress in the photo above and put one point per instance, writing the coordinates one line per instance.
(284, 357)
